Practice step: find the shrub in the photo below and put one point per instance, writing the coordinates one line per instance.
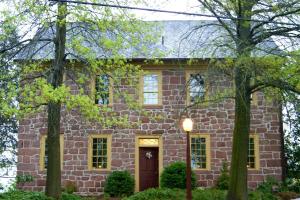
(258, 195)
(269, 185)
(26, 178)
(287, 195)
(174, 176)
(292, 185)
(26, 195)
(158, 194)
(177, 194)
(67, 196)
(119, 184)
(70, 187)
(223, 179)
(209, 194)
(20, 195)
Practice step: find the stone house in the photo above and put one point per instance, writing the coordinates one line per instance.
(90, 153)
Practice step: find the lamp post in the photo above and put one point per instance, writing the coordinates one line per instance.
(188, 127)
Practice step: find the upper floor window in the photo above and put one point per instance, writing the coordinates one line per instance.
(99, 152)
(151, 87)
(253, 154)
(44, 151)
(254, 99)
(196, 87)
(200, 152)
(103, 90)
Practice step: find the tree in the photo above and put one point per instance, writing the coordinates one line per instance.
(247, 24)
(8, 121)
(65, 36)
(292, 147)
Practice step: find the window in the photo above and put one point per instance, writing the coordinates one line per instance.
(103, 90)
(254, 99)
(196, 87)
(151, 87)
(44, 151)
(253, 152)
(99, 155)
(200, 151)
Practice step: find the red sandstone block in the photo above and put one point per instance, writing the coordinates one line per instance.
(221, 154)
(221, 115)
(72, 151)
(85, 178)
(272, 148)
(266, 156)
(273, 163)
(127, 151)
(83, 151)
(79, 183)
(77, 173)
(256, 178)
(98, 185)
(174, 80)
(124, 155)
(261, 130)
(89, 184)
(116, 163)
(252, 185)
(41, 182)
(26, 159)
(26, 167)
(220, 144)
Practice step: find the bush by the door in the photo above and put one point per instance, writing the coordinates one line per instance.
(119, 184)
(174, 176)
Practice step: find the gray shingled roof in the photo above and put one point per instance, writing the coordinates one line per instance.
(177, 39)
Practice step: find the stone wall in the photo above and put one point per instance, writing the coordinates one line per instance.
(214, 119)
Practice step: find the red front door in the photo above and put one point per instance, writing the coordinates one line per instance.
(148, 172)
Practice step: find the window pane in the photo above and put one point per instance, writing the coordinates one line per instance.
(196, 87)
(198, 149)
(150, 89)
(46, 154)
(150, 98)
(251, 153)
(99, 153)
(151, 83)
(102, 90)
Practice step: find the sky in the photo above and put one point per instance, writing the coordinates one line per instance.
(174, 5)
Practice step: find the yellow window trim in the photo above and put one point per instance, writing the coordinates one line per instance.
(141, 87)
(110, 90)
(187, 78)
(137, 156)
(256, 151)
(90, 151)
(42, 151)
(207, 150)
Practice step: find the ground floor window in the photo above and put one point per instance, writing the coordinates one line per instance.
(253, 152)
(99, 152)
(200, 151)
(44, 151)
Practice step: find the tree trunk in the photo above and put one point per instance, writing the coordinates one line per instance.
(283, 157)
(238, 169)
(238, 189)
(53, 181)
